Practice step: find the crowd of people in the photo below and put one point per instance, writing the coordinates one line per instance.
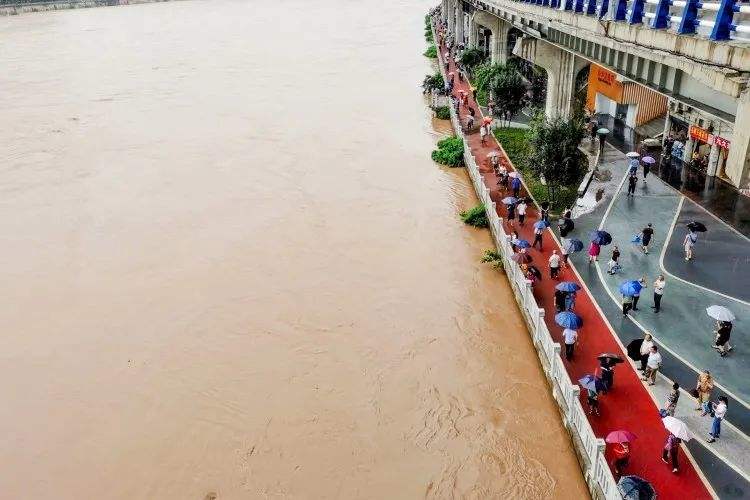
(646, 354)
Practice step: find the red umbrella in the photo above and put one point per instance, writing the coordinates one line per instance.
(620, 437)
(487, 120)
(521, 258)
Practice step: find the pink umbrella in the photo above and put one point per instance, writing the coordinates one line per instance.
(648, 159)
(620, 437)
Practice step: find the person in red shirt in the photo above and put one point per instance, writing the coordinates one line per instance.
(622, 456)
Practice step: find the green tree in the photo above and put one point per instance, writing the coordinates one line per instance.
(433, 83)
(472, 57)
(553, 152)
(508, 90)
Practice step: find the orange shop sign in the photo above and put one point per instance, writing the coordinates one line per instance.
(699, 134)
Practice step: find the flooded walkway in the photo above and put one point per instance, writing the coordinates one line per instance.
(232, 268)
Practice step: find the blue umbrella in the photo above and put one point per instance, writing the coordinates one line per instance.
(591, 383)
(630, 288)
(509, 200)
(601, 237)
(567, 319)
(568, 286)
(635, 488)
(541, 224)
(522, 244)
(574, 245)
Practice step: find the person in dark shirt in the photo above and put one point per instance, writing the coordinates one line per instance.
(646, 235)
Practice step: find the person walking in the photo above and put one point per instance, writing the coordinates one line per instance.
(670, 451)
(646, 170)
(607, 374)
(723, 332)
(515, 185)
(690, 239)
(719, 412)
(672, 398)
(483, 132)
(469, 123)
(594, 250)
(570, 337)
(537, 237)
(646, 234)
(622, 457)
(570, 301)
(511, 214)
(703, 387)
(593, 401)
(522, 211)
(653, 363)
(632, 180)
(613, 266)
(564, 246)
(646, 345)
(559, 300)
(554, 264)
(659, 285)
(627, 304)
(637, 295)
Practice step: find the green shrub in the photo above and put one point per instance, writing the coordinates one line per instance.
(493, 257)
(472, 57)
(431, 52)
(450, 152)
(442, 113)
(433, 83)
(476, 216)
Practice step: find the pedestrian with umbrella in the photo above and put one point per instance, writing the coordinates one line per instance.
(511, 213)
(598, 239)
(567, 319)
(678, 432)
(632, 181)
(570, 337)
(637, 294)
(653, 363)
(521, 243)
(635, 488)
(628, 289)
(621, 440)
(521, 209)
(515, 184)
(723, 331)
(538, 232)
(691, 238)
(613, 266)
(565, 225)
(607, 362)
(594, 251)
(521, 257)
(593, 387)
(647, 161)
(569, 246)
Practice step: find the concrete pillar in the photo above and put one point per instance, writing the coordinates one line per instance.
(499, 45)
(713, 160)
(738, 164)
(451, 12)
(561, 66)
(460, 22)
(687, 153)
(473, 31)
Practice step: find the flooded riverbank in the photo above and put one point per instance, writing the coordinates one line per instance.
(231, 267)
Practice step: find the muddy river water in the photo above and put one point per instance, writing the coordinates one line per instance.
(231, 270)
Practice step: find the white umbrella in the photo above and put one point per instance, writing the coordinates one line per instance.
(633, 154)
(678, 428)
(492, 153)
(720, 313)
(513, 174)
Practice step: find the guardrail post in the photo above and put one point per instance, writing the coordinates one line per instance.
(621, 12)
(591, 8)
(603, 8)
(636, 15)
(689, 20)
(661, 20)
(723, 21)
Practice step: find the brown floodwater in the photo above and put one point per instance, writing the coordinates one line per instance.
(230, 267)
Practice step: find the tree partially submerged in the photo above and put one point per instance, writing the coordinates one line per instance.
(433, 83)
(553, 153)
(450, 152)
(476, 216)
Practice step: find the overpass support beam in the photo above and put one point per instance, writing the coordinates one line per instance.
(460, 22)
(499, 39)
(738, 162)
(561, 66)
(451, 14)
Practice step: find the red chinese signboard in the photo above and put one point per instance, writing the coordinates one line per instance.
(699, 133)
(721, 142)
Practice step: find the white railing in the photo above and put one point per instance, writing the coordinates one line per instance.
(597, 472)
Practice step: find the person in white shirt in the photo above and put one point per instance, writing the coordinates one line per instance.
(689, 242)
(653, 363)
(554, 264)
(570, 337)
(720, 410)
(521, 211)
(659, 285)
(648, 341)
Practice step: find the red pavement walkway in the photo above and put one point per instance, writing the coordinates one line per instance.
(628, 405)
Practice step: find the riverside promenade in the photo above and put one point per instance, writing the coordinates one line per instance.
(628, 405)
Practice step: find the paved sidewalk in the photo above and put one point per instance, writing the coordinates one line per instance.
(628, 405)
(681, 326)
